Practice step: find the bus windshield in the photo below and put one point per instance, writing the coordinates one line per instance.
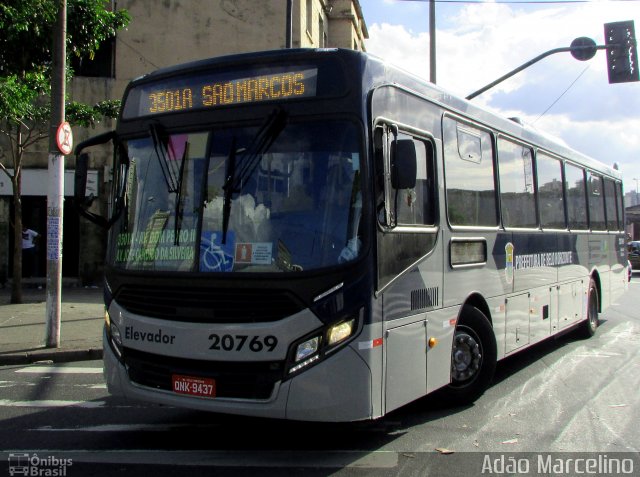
(266, 198)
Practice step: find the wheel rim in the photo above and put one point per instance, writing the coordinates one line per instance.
(466, 358)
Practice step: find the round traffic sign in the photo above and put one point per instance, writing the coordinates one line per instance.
(64, 138)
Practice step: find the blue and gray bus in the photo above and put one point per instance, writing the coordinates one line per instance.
(317, 235)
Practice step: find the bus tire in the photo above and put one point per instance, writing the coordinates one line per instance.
(473, 357)
(590, 325)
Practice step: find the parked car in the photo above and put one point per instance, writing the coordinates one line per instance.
(634, 254)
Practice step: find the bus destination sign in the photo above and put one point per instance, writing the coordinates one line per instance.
(203, 91)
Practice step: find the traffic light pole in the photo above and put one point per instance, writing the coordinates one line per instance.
(587, 48)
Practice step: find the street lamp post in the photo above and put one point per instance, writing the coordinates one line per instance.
(432, 38)
(432, 41)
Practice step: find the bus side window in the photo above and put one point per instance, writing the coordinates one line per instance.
(517, 197)
(404, 161)
(613, 222)
(550, 195)
(470, 176)
(416, 205)
(597, 220)
(620, 205)
(574, 184)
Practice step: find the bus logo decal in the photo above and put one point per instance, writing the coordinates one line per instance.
(508, 268)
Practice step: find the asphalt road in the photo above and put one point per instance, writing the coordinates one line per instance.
(566, 398)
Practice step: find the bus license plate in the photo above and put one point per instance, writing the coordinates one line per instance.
(203, 387)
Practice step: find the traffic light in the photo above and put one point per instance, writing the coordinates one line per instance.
(622, 51)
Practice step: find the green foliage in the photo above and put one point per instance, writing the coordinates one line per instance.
(84, 115)
(26, 32)
(92, 24)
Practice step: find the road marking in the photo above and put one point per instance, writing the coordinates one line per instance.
(59, 370)
(52, 403)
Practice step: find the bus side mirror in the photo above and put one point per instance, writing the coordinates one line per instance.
(80, 185)
(82, 202)
(404, 168)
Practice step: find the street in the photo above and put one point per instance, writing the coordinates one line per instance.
(565, 395)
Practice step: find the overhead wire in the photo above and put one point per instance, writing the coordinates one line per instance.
(562, 94)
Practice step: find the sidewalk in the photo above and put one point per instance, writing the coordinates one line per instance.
(23, 327)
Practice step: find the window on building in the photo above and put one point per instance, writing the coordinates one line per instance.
(550, 197)
(470, 177)
(102, 65)
(576, 197)
(323, 34)
(517, 197)
(310, 18)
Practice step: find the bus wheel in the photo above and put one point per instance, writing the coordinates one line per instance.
(473, 357)
(590, 325)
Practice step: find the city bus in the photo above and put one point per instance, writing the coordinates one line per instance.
(317, 235)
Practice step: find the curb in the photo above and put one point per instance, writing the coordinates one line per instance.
(53, 355)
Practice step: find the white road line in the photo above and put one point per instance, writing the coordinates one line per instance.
(59, 370)
(52, 403)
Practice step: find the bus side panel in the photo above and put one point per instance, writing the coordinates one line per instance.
(535, 254)
(489, 279)
(405, 361)
(339, 390)
(440, 326)
(619, 277)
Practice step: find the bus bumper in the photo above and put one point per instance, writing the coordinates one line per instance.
(338, 389)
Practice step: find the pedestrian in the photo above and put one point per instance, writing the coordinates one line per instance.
(29, 257)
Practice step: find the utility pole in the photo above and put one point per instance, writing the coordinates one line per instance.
(432, 38)
(55, 196)
(432, 41)
(289, 25)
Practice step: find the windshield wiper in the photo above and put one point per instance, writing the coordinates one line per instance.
(177, 223)
(228, 190)
(261, 142)
(162, 153)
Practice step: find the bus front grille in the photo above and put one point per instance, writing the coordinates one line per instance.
(207, 305)
(241, 380)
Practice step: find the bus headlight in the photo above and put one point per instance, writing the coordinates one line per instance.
(340, 332)
(113, 332)
(315, 347)
(307, 348)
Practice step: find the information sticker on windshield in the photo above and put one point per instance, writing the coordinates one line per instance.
(254, 253)
(192, 386)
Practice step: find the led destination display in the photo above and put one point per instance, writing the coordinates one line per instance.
(209, 90)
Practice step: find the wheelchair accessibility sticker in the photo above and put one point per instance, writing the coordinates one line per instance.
(214, 255)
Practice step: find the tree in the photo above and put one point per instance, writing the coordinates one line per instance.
(26, 41)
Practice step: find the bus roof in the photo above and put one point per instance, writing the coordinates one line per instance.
(377, 72)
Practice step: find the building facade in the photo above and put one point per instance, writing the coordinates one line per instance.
(160, 34)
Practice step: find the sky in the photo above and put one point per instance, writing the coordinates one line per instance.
(478, 41)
